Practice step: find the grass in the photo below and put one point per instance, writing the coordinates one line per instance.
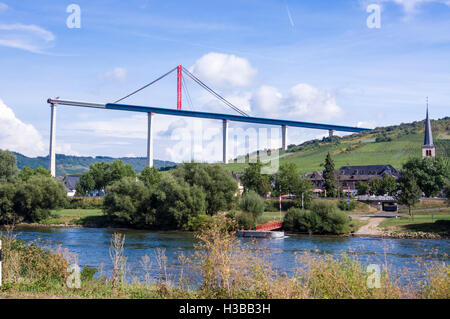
(420, 223)
(223, 266)
(360, 149)
(84, 217)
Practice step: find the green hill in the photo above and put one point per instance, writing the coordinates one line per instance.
(66, 165)
(384, 145)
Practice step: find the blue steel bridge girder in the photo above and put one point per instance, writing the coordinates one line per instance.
(232, 117)
(205, 115)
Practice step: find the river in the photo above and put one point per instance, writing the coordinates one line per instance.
(92, 247)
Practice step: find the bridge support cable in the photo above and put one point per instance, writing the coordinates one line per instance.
(147, 85)
(218, 96)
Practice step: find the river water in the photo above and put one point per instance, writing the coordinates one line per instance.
(92, 247)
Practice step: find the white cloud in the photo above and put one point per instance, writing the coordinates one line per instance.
(27, 37)
(18, 136)
(303, 102)
(267, 98)
(118, 74)
(367, 124)
(219, 69)
(66, 149)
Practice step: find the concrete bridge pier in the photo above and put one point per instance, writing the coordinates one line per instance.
(331, 133)
(149, 140)
(52, 140)
(284, 137)
(225, 141)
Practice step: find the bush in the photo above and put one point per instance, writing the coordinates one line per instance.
(245, 221)
(124, 203)
(324, 218)
(170, 205)
(252, 203)
(344, 205)
(84, 203)
(198, 222)
(30, 201)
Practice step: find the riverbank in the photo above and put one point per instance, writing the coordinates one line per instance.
(246, 272)
(423, 225)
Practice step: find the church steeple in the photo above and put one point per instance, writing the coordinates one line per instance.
(428, 149)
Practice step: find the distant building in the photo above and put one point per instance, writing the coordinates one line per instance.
(428, 148)
(349, 176)
(70, 181)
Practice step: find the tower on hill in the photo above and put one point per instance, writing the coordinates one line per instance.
(428, 148)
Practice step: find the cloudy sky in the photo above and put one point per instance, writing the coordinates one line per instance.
(298, 60)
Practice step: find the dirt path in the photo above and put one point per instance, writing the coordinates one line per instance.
(371, 228)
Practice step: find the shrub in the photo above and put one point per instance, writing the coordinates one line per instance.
(252, 203)
(198, 222)
(245, 221)
(324, 218)
(344, 205)
(30, 201)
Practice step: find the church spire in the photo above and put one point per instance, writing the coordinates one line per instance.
(428, 148)
(428, 141)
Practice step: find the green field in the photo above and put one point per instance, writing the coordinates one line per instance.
(74, 217)
(362, 148)
(420, 223)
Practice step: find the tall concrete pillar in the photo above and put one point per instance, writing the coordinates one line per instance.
(52, 140)
(149, 140)
(331, 133)
(225, 141)
(284, 137)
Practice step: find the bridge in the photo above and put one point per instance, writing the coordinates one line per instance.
(225, 118)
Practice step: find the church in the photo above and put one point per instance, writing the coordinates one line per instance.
(428, 148)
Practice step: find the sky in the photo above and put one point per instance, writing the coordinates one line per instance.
(334, 62)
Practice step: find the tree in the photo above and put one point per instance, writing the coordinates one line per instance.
(26, 173)
(176, 202)
(408, 192)
(150, 176)
(85, 185)
(330, 183)
(253, 203)
(8, 166)
(385, 185)
(34, 198)
(430, 173)
(362, 187)
(126, 203)
(447, 190)
(217, 183)
(254, 180)
(105, 174)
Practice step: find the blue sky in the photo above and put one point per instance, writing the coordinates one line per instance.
(303, 60)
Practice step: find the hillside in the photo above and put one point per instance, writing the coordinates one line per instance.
(385, 145)
(66, 165)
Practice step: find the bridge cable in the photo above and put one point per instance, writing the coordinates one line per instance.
(147, 85)
(218, 96)
(188, 96)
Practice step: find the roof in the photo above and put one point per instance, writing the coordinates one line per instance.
(70, 181)
(428, 140)
(369, 170)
